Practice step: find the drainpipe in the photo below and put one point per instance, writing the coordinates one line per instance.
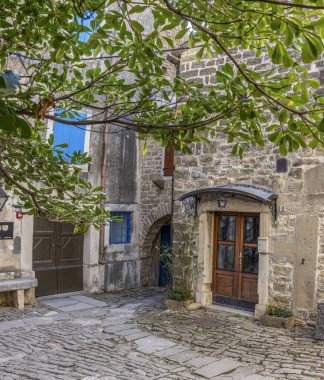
(176, 62)
(104, 187)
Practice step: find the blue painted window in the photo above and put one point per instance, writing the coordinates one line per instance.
(120, 232)
(72, 135)
(86, 23)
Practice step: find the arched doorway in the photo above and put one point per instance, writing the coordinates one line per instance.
(155, 254)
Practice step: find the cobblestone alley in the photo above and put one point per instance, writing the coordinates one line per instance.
(128, 335)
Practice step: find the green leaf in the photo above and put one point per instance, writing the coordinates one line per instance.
(276, 56)
(310, 51)
(320, 126)
(8, 122)
(283, 146)
(289, 35)
(139, 28)
(275, 24)
(199, 54)
(228, 69)
(314, 83)
(23, 127)
(318, 23)
(313, 144)
(181, 33)
(2, 82)
(137, 9)
(191, 40)
(170, 26)
(51, 139)
(144, 149)
(283, 115)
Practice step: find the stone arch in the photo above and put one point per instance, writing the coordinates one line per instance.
(151, 227)
(153, 218)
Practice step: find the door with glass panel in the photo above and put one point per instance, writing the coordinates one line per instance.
(236, 260)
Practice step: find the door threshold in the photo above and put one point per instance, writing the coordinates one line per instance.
(61, 295)
(233, 310)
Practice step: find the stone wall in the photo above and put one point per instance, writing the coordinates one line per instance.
(156, 194)
(10, 250)
(296, 238)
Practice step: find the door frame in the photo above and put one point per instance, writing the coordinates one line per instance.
(60, 273)
(236, 300)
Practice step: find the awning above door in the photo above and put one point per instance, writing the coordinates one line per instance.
(259, 194)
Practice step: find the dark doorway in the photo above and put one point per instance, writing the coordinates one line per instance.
(165, 246)
(57, 258)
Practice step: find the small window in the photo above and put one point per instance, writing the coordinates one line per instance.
(120, 231)
(72, 135)
(282, 165)
(168, 162)
(87, 25)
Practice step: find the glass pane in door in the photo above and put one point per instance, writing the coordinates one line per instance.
(227, 228)
(225, 257)
(250, 260)
(251, 229)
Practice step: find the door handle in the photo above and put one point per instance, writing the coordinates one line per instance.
(241, 261)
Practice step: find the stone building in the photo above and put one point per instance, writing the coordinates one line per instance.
(258, 221)
(48, 257)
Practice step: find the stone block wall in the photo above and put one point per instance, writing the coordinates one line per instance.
(155, 187)
(296, 265)
(156, 195)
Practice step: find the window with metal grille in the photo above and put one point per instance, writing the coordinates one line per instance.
(168, 162)
(282, 165)
(120, 230)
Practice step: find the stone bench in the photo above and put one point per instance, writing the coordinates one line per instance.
(18, 291)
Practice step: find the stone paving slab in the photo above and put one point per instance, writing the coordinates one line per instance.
(59, 302)
(116, 328)
(92, 312)
(89, 300)
(11, 324)
(76, 307)
(38, 321)
(242, 372)
(185, 356)
(200, 361)
(130, 331)
(170, 351)
(151, 344)
(115, 321)
(217, 368)
(131, 337)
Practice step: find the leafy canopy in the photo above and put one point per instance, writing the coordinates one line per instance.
(118, 73)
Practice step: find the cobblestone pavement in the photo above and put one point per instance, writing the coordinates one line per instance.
(128, 335)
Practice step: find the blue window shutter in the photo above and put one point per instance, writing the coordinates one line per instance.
(72, 135)
(86, 22)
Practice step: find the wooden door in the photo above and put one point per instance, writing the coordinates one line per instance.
(57, 258)
(236, 259)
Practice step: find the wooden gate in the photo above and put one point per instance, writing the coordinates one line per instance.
(57, 258)
(236, 260)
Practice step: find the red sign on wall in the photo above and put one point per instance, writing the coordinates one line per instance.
(19, 214)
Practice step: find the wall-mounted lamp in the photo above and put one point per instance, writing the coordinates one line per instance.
(3, 198)
(221, 202)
